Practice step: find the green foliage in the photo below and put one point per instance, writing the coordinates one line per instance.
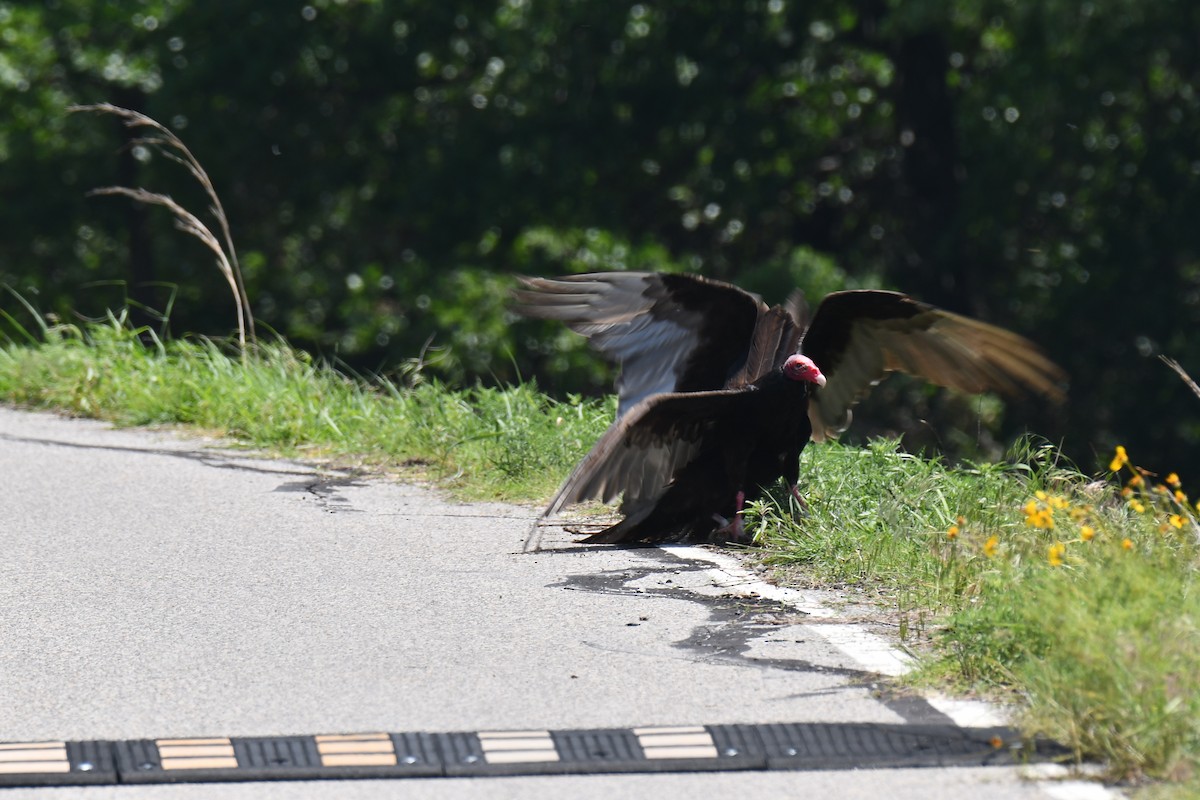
(1104, 652)
(1076, 595)
(511, 443)
(879, 515)
(1024, 162)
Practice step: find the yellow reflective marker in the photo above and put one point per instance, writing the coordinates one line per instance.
(30, 757)
(356, 750)
(689, 741)
(211, 753)
(517, 747)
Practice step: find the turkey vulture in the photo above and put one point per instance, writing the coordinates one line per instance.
(719, 393)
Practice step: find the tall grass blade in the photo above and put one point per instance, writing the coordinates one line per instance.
(223, 249)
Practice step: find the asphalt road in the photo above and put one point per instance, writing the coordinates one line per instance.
(157, 586)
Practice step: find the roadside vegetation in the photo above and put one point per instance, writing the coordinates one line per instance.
(1071, 595)
(512, 443)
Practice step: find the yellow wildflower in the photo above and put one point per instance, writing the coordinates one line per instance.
(989, 547)
(1086, 533)
(1040, 495)
(1127, 544)
(952, 533)
(1173, 480)
(1119, 460)
(1176, 521)
(1040, 519)
(1180, 497)
(1161, 489)
(1037, 516)
(1136, 481)
(1127, 492)
(1137, 506)
(1057, 551)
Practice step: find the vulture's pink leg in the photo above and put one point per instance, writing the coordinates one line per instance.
(731, 530)
(738, 528)
(795, 490)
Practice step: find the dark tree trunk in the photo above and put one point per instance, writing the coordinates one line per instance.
(936, 267)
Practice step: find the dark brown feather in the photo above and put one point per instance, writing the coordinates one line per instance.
(669, 333)
(776, 337)
(678, 460)
(706, 411)
(857, 337)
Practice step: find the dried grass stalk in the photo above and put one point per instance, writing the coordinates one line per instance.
(171, 146)
(1173, 364)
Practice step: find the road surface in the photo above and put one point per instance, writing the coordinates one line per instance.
(159, 587)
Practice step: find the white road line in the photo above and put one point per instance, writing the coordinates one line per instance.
(877, 654)
(873, 653)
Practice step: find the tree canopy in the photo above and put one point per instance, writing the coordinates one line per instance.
(386, 166)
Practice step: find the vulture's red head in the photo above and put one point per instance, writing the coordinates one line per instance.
(802, 368)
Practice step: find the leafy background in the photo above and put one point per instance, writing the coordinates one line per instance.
(387, 166)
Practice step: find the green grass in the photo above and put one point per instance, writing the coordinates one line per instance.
(1026, 580)
(1044, 586)
(513, 443)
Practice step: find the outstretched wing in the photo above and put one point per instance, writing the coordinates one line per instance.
(857, 336)
(669, 333)
(639, 455)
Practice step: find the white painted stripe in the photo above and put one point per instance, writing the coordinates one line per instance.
(729, 574)
(684, 741)
(355, 747)
(654, 731)
(23, 767)
(969, 713)
(1062, 783)
(680, 752)
(513, 734)
(872, 652)
(32, 745)
(676, 740)
(33, 757)
(520, 756)
(196, 751)
(199, 763)
(359, 760)
(516, 744)
(355, 750)
(1078, 790)
(35, 754)
(517, 747)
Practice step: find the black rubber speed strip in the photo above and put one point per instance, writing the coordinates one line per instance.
(536, 752)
